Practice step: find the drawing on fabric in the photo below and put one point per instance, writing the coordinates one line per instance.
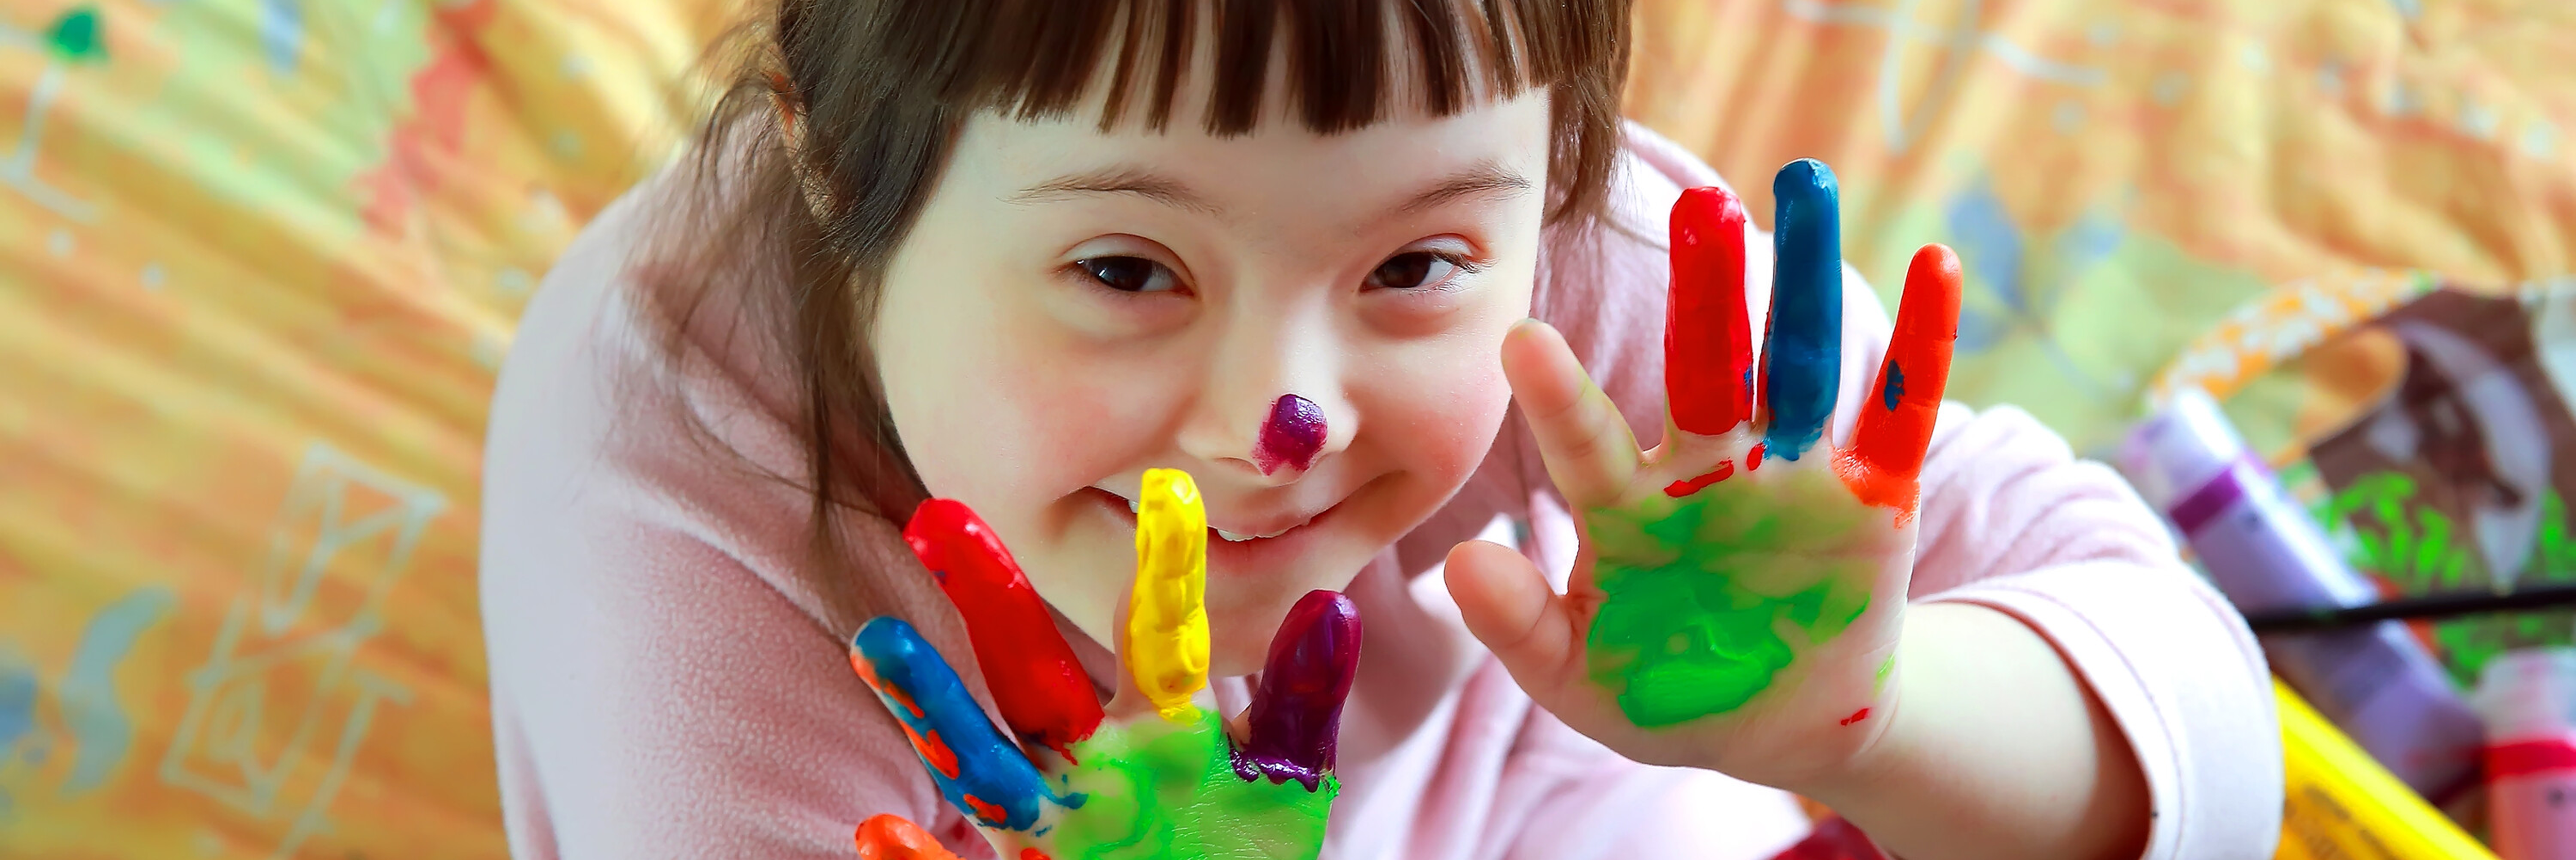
(279, 692)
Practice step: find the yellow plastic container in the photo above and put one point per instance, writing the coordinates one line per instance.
(2342, 804)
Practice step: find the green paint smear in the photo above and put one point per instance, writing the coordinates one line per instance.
(1707, 598)
(75, 37)
(1165, 790)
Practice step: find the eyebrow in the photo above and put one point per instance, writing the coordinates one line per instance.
(1119, 180)
(1485, 179)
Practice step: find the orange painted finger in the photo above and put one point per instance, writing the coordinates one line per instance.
(1895, 427)
(892, 837)
(1708, 336)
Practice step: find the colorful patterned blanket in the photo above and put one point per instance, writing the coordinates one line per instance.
(259, 258)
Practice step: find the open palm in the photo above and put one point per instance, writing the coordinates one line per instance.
(1152, 775)
(1740, 590)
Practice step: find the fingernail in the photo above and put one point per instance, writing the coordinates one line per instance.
(1293, 435)
(1167, 628)
(1043, 692)
(979, 771)
(1297, 714)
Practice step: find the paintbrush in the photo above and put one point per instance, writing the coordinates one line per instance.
(2551, 596)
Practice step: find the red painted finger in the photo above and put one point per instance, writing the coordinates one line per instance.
(1895, 427)
(1044, 694)
(1708, 339)
(893, 837)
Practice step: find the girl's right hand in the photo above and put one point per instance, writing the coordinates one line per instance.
(1152, 775)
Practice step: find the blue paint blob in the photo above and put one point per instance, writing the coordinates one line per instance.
(17, 703)
(1894, 389)
(1802, 347)
(989, 768)
(281, 33)
(101, 731)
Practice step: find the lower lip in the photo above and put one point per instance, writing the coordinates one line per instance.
(1226, 556)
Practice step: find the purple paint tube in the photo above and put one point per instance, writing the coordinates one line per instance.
(2259, 548)
(2528, 698)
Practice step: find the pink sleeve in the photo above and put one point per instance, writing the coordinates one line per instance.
(661, 685)
(2011, 520)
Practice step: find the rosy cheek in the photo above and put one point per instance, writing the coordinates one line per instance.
(1442, 424)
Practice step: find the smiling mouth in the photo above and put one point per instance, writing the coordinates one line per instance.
(1230, 537)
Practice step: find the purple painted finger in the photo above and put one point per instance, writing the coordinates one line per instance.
(1297, 714)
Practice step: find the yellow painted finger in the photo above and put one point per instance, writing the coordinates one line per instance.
(1167, 626)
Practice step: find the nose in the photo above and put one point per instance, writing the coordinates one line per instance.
(1269, 418)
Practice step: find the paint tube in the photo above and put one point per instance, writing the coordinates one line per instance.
(2528, 698)
(2260, 549)
(2340, 803)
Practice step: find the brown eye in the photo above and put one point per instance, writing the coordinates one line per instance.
(1129, 274)
(1413, 269)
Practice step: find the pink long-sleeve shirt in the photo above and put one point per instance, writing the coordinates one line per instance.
(665, 683)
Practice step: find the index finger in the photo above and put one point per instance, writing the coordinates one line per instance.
(1708, 339)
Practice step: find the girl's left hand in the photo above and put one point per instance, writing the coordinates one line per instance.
(1740, 589)
(1152, 774)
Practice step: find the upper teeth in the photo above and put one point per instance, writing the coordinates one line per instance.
(1133, 507)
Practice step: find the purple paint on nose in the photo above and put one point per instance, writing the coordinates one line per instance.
(1293, 436)
(1297, 714)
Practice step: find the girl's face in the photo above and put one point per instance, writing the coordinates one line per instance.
(1077, 306)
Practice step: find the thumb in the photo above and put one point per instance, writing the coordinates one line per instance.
(1508, 604)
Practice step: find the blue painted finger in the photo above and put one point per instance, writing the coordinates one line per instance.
(983, 774)
(1802, 345)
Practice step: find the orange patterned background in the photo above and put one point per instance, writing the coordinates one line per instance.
(258, 259)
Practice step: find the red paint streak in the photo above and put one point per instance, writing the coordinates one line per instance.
(986, 811)
(1043, 692)
(933, 750)
(1886, 458)
(1033, 854)
(1708, 342)
(423, 150)
(1677, 489)
(1753, 458)
(891, 837)
(2524, 758)
(868, 673)
(1856, 716)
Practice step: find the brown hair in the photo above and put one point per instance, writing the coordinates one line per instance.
(875, 91)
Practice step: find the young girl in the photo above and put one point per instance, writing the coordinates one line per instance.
(1017, 254)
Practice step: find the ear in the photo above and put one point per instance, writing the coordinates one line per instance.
(782, 97)
(790, 115)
